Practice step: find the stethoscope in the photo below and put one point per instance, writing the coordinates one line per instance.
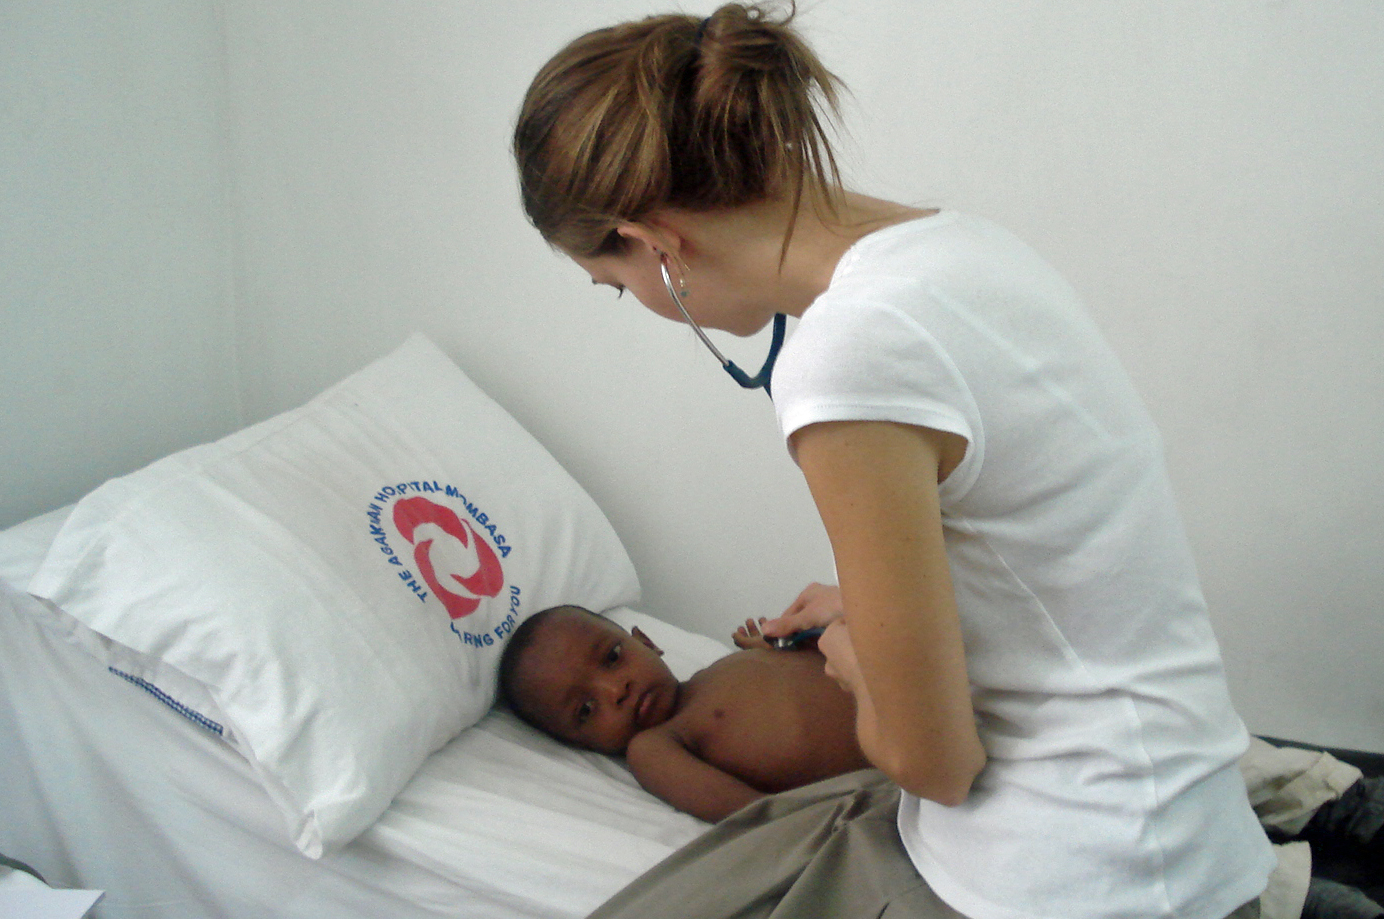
(744, 379)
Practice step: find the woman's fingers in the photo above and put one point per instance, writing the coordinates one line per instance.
(817, 605)
(841, 666)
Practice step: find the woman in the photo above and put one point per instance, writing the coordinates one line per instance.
(1020, 621)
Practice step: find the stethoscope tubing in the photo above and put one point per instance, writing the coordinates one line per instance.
(766, 372)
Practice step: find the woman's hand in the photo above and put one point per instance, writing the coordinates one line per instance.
(818, 605)
(841, 665)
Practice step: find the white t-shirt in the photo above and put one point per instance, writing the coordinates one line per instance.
(1111, 788)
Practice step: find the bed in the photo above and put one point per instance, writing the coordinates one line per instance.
(256, 678)
(112, 779)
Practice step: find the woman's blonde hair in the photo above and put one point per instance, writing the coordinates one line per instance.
(673, 111)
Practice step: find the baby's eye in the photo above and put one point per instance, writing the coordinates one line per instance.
(613, 655)
(584, 712)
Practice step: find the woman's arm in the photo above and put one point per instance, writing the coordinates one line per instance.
(875, 486)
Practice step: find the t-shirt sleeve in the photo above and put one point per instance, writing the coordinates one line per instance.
(861, 358)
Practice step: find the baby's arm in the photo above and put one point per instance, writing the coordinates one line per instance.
(667, 768)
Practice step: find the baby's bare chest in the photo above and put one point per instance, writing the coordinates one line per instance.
(771, 718)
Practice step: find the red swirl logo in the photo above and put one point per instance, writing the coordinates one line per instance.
(459, 565)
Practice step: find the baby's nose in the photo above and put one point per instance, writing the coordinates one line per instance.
(617, 691)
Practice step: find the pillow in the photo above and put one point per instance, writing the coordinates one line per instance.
(330, 589)
(23, 545)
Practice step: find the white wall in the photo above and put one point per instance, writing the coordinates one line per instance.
(377, 196)
(1207, 176)
(115, 344)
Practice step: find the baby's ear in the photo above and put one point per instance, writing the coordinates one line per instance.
(639, 634)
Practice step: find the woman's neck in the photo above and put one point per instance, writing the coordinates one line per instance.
(821, 237)
(746, 245)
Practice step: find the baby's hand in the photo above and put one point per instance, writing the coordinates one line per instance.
(749, 638)
(817, 606)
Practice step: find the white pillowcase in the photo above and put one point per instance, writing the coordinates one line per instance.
(330, 589)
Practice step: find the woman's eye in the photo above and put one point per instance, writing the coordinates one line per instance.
(619, 288)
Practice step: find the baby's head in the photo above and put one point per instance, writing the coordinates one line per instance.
(585, 680)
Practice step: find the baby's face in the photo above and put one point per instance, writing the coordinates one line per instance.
(589, 682)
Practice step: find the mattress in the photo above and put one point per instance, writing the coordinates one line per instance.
(104, 787)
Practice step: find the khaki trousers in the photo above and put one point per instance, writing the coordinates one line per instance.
(833, 849)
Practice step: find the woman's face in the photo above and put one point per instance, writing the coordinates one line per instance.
(712, 302)
(637, 272)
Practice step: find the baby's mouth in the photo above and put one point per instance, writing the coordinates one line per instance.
(643, 712)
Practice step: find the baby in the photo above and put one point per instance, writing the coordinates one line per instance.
(755, 722)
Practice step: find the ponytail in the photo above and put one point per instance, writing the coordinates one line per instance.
(673, 111)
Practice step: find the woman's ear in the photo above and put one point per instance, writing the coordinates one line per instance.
(653, 237)
(639, 634)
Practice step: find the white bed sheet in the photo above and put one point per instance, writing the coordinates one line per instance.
(102, 786)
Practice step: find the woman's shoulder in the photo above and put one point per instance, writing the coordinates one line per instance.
(935, 246)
